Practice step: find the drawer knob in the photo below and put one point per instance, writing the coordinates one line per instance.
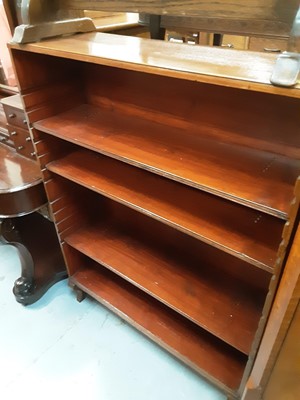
(12, 115)
(32, 154)
(24, 122)
(28, 139)
(14, 133)
(20, 147)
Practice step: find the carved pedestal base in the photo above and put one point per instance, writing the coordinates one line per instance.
(42, 264)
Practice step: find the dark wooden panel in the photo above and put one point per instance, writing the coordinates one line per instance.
(237, 230)
(35, 70)
(221, 113)
(234, 9)
(23, 201)
(214, 359)
(55, 91)
(248, 176)
(16, 172)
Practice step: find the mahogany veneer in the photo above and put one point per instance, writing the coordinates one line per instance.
(173, 183)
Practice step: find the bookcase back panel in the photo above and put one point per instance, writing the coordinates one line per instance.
(227, 114)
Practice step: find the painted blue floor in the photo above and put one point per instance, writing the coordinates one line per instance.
(61, 349)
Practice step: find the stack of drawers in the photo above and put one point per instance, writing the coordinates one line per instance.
(17, 126)
(4, 135)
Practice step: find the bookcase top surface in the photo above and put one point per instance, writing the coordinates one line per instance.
(219, 66)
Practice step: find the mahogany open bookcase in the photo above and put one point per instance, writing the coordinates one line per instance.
(172, 176)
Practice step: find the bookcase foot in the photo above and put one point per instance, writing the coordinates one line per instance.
(80, 294)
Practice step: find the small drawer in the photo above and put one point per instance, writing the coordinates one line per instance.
(15, 116)
(267, 45)
(22, 141)
(5, 138)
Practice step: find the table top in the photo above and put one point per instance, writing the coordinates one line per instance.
(17, 172)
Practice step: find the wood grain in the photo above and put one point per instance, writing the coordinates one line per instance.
(225, 67)
(221, 114)
(241, 26)
(188, 342)
(233, 172)
(227, 226)
(233, 9)
(17, 172)
(282, 313)
(227, 309)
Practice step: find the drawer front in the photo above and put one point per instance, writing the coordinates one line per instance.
(267, 45)
(15, 116)
(22, 141)
(5, 138)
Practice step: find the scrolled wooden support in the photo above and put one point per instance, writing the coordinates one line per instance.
(24, 286)
(40, 269)
(44, 18)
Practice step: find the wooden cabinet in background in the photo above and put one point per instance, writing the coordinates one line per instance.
(17, 126)
(173, 184)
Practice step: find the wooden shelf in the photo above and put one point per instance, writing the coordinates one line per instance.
(182, 338)
(257, 179)
(226, 307)
(225, 225)
(203, 64)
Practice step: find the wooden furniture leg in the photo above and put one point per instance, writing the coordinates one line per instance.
(42, 264)
(156, 31)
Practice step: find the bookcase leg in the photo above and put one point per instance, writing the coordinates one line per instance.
(80, 294)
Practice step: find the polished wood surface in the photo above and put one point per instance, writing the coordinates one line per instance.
(188, 210)
(23, 202)
(35, 242)
(16, 124)
(188, 342)
(281, 316)
(225, 307)
(236, 173)
(143, 148)
(17, 172)
(234, 68)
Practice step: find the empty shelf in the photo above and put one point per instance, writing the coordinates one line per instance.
(212, 299)
(215, 360)
(248, 176)
(225, 225)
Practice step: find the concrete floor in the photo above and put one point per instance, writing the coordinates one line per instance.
(61, 349)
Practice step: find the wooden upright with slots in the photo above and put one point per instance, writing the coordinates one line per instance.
(173, 182)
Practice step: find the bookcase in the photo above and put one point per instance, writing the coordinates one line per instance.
(172, 177)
